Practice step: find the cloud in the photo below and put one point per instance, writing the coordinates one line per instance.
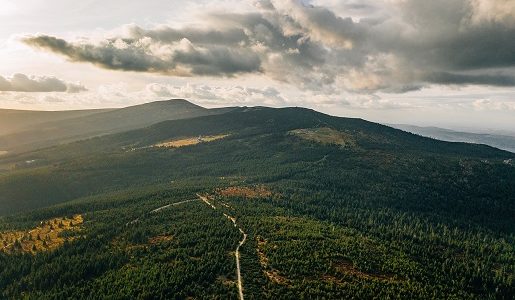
(493, 11)
(23, 83)
(209, 95)
(460, 79)
(122, 95)
(180, 57)
(486, 104)
(326, 46)
(52, 99)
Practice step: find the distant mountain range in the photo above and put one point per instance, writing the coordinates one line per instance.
(28, 130)
(504, 142)
(18, 120)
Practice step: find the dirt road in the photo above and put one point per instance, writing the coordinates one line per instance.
(237, 251)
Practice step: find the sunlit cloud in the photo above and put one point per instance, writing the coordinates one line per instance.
(23, 83)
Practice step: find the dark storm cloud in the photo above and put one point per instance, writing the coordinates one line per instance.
(445, 33)
(23, 83)
(107, 55)
(218, 60)
(410, 44)
(137, 55)
(230, 36)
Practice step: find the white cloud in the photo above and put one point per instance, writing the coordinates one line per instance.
(210, 95)
(23, 83)
(502, 11)
(492, 105)
(412, 44)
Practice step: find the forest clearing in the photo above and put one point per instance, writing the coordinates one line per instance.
(190, 141)
(325, 135)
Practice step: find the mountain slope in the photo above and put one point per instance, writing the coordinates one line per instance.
(99, 159)
(334, 208)
(18, 120)
(111, 121)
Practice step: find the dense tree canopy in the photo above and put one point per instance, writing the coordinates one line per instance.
(387, 215)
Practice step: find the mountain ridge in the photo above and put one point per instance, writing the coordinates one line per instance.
(330, 207)
(239, 124)
(12, 120)
(99, 123)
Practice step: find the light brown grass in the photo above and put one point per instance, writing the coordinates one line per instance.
(160, 239)
(325, 135)
(45, 237)
(118, 242)
(246, 192)
(190, 141)
(347, 268)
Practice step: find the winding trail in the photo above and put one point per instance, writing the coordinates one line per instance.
(170, 205)
(237, 251)
(232, 219)
(161, 208)
(238, 269)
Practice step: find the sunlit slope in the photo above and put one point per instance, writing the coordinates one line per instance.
(19, 120)
(103, 122)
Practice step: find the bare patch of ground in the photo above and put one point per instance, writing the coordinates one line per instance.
(270, 273)
(347, 268)
(160, 239)
(45, 237)
(190, 141)
(325, 135)
(3, 152)
(246, 192)
(156, 240)
(225, 281)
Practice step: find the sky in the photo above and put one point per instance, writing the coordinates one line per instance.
(446, 63)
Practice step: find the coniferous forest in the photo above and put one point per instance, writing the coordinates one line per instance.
(326, 207)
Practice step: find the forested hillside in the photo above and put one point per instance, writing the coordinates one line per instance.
(331, 208)
(61, 127)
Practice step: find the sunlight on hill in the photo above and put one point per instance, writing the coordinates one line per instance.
(190, 141)
(245, 192)
(47, 236)
(3, 152)
(325, 135)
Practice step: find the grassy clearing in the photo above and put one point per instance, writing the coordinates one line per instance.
(47, 236)
(346, 267)
(245, 192)
(326, 136)
(190, 141)
(160, 239)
